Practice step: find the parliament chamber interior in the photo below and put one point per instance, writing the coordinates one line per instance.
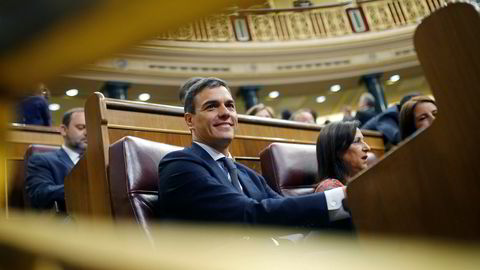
(125, 64)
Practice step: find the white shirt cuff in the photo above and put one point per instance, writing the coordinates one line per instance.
(334, 199)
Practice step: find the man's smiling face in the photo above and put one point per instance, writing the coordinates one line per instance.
(215, 119)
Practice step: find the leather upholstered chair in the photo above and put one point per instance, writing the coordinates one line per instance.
(18, 196)
(133, 170)
(290, 169)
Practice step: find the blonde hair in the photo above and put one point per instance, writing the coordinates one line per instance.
(260, 107)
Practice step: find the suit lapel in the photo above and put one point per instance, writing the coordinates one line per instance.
(213, 165)
(63, 156)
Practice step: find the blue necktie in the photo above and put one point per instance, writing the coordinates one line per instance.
(232, 170)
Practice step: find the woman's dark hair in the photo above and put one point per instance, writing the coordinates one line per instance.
(334, 139)
(407, 115)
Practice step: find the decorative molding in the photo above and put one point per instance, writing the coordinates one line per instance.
(170, 62)
(277, 46)
(307, 23)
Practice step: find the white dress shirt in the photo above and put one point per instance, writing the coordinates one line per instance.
(74, 156)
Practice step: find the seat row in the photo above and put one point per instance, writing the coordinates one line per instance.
(290, 169)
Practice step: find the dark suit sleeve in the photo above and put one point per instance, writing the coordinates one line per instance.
(40, 184)
(271, 193)
(45, 112)
(187, 190)
(389, 127)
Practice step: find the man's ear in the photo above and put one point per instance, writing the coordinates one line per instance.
(63, 130)
(189, 120)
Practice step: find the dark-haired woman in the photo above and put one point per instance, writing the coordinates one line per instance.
(419, 112)
(341, 154)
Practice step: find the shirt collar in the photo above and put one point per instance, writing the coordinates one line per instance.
(74, 156)
(212, 152)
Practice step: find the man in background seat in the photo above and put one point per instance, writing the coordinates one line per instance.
(34, 110)
(366, 108)
(203, 183)
(387, 122)
(46, 171)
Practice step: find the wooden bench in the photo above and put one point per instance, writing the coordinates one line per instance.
(108, 120)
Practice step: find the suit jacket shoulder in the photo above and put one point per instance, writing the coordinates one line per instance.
(45, 176)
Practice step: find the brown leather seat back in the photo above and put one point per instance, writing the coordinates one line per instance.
(133, 177)
(18, 197)
(290, 169)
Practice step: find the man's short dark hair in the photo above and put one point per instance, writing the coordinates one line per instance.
(185, 86)
(67, 116)
(197, 88)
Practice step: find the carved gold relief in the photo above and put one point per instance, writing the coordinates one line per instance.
(299, 25)
(281, 26)
(378, 15)
(219, 28)
(184, 33)
(305, 24)
(335, 21)
(262, 27)
(414, 10)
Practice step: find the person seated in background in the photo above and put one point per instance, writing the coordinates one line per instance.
(387, 122)
(304, 116)
(204, 183)
(182, 91)
(341, 154)
(285, 114)
(366, 108)
(347, 113)
(46, 171)
(261, 110)
(417, 113)
(34, 110)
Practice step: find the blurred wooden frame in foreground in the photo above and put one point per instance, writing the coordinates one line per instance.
(429, 185)
(99, 31)
(35, 242)
(4, 116)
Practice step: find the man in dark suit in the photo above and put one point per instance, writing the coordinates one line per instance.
(202, 183)
(34, 110)
(46, 171)
(366, 108)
